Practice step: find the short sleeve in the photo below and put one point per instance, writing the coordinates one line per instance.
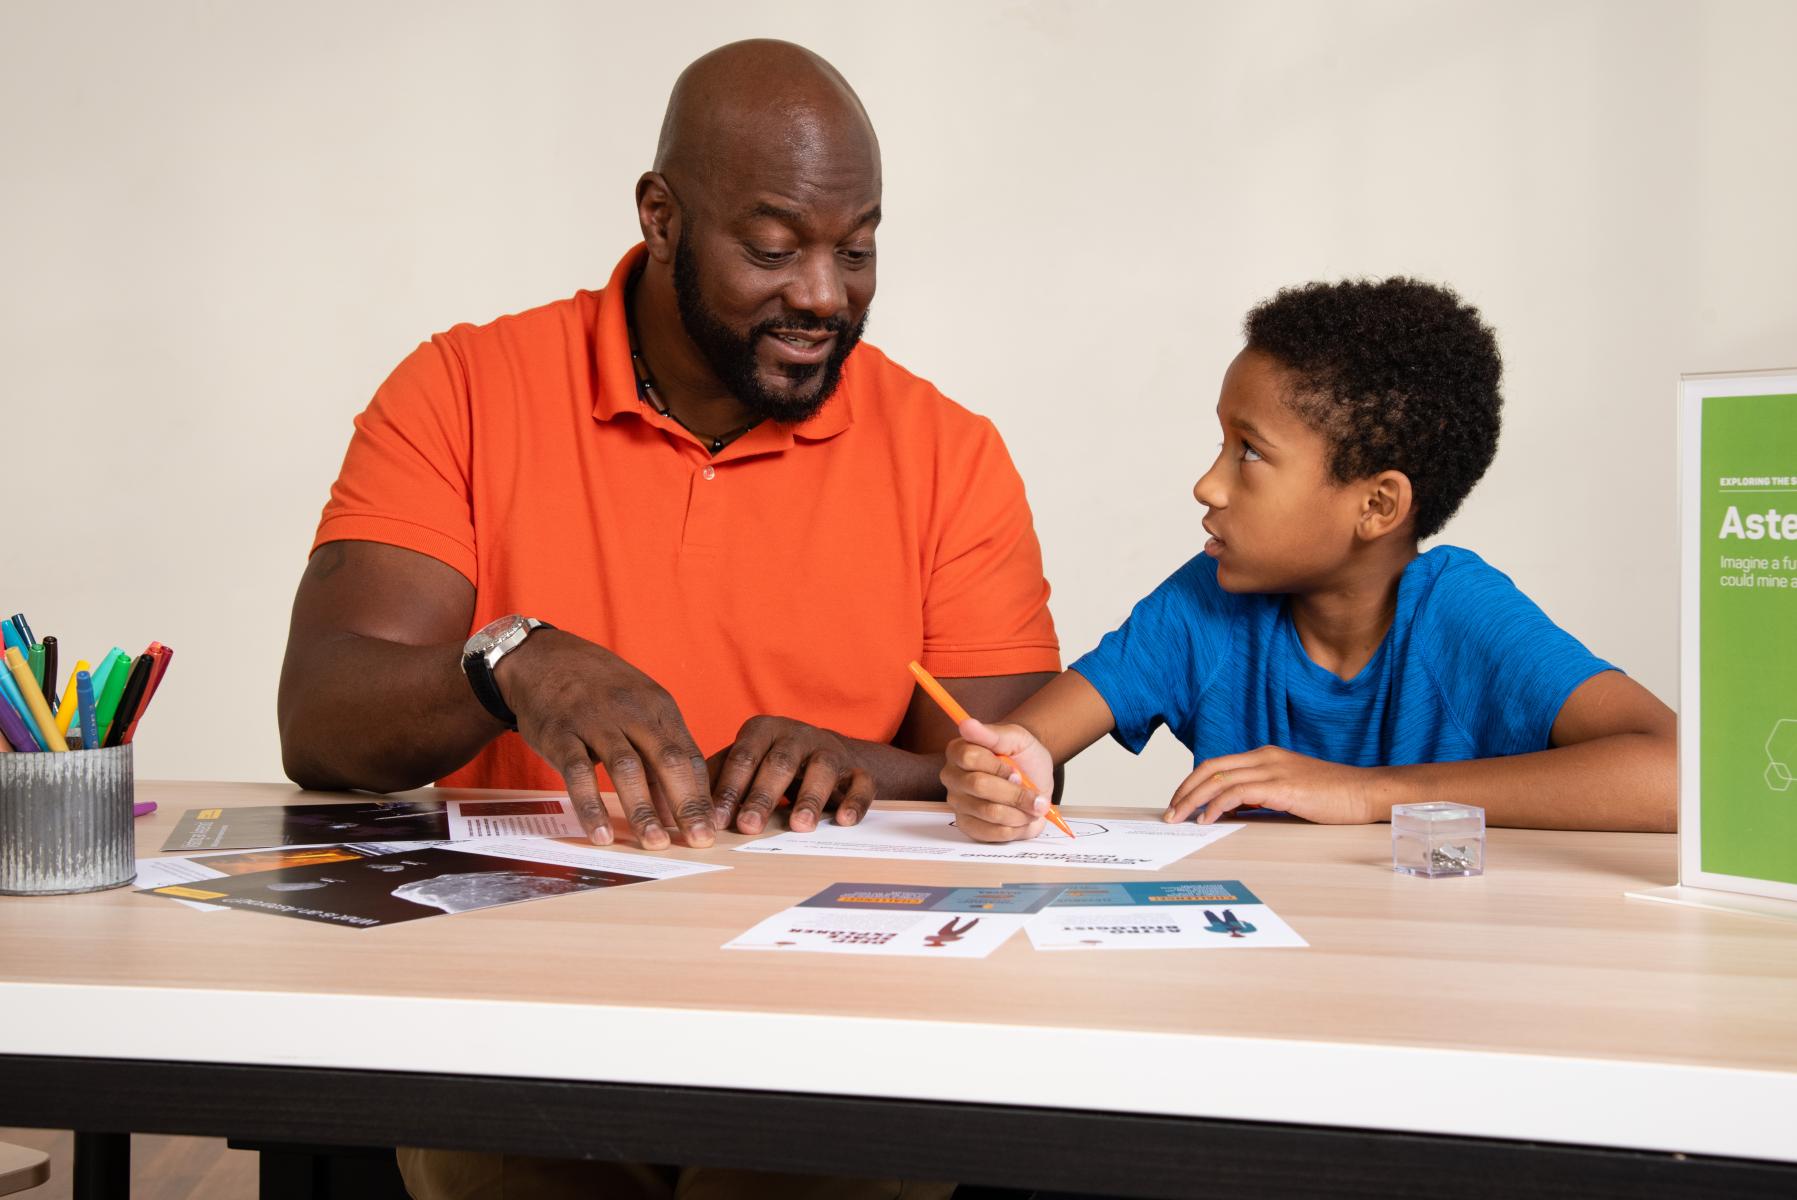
(1152, 669)
(1503, 667)
(985, 606)
(405, 478)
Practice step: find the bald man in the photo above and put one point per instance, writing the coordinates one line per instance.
(676, 537)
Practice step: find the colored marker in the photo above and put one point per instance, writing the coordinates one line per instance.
(957, 714)
(84, 702)
(162, 655)
(129, 700)
(106, 701)
(15, 719)
(9, 632)
(35, 703)
(34, 658)
(112, 658)
(65, 712)
(49, 680)
(23, 627)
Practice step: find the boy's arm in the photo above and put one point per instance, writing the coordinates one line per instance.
(1053, 725)
(1613, 765)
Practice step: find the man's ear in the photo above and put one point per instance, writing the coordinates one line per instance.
(658, 214)
(1384, 506)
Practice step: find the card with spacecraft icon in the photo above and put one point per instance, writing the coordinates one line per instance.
(893, 918)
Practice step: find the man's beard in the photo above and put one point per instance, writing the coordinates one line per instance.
(732, 357)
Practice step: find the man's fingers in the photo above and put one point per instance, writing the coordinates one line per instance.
(576, 768)
(632, 781)
(680, 781)
(857, 798)
(734, 776)
(815, 788)
(779, 766)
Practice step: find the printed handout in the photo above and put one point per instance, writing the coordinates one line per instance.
(428, 882)
(159, 872)
(1106, 844)
(896, 918)
(373, 821)
(1201, 914)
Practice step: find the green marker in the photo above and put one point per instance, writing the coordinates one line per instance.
(35, 656)
(109, 696)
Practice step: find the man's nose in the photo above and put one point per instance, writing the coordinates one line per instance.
(818, 287)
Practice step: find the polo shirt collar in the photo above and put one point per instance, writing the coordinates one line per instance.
(617, 395)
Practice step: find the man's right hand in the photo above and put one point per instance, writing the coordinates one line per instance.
(578, 703)
(988, 798)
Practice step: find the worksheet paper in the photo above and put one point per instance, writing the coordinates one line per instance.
(374, 821)
(1200, 914)
(893, 918)
(161, 872)
(449, 878)
(931, 836)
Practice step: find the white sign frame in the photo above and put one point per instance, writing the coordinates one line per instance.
(1765, 897)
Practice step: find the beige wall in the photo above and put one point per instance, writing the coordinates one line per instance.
(221, 225)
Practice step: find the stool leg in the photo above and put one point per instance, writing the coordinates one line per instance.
(102, 1166)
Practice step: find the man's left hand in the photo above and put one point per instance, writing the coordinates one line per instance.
(769, 755)
(1325, 792)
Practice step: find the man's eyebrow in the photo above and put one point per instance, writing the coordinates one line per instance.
(794, 217)
(764, 209)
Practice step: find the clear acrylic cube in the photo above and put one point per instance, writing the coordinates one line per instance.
(1438, 839)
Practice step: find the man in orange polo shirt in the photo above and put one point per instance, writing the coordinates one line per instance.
(738, 521)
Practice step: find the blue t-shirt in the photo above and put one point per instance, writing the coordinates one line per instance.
(1470, 668)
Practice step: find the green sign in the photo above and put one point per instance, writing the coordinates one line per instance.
(1747, 566)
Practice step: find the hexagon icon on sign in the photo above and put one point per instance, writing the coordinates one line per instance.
(1781, 755)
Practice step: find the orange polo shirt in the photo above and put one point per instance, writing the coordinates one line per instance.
(793, 574)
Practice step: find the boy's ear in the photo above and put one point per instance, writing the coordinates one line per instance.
(1384, 506)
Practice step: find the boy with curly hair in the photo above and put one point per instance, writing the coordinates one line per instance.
(1311, 658)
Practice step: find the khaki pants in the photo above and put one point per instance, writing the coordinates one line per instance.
(464, 1175)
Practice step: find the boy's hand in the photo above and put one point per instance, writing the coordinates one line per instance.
(1325, 792)
(988, 798)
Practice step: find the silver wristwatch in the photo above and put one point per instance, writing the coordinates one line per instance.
(482, 653)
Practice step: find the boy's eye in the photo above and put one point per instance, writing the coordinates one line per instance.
(1249, 453)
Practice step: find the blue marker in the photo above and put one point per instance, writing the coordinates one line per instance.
(9, 631)
(84, 701)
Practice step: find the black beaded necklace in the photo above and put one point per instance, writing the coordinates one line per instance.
(645, 382)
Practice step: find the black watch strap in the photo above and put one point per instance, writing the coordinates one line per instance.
(486, 688)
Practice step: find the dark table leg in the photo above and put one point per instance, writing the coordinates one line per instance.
(102, 1166)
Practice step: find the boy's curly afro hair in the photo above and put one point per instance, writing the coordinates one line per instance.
(1397, 375)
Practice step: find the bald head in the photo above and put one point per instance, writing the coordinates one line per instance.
(759, 220)
(763, 102)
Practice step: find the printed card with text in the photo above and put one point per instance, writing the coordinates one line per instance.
(1203, 914)
(893, 918)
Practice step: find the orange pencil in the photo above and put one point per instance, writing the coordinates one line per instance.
(957, 714)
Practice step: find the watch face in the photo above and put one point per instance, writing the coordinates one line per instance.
(492, 634)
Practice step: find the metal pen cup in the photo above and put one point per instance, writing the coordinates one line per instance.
(65, 822)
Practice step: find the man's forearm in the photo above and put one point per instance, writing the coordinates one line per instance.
(1624, 781)
(378, 715)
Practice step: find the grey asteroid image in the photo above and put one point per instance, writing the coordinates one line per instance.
(481, 889)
